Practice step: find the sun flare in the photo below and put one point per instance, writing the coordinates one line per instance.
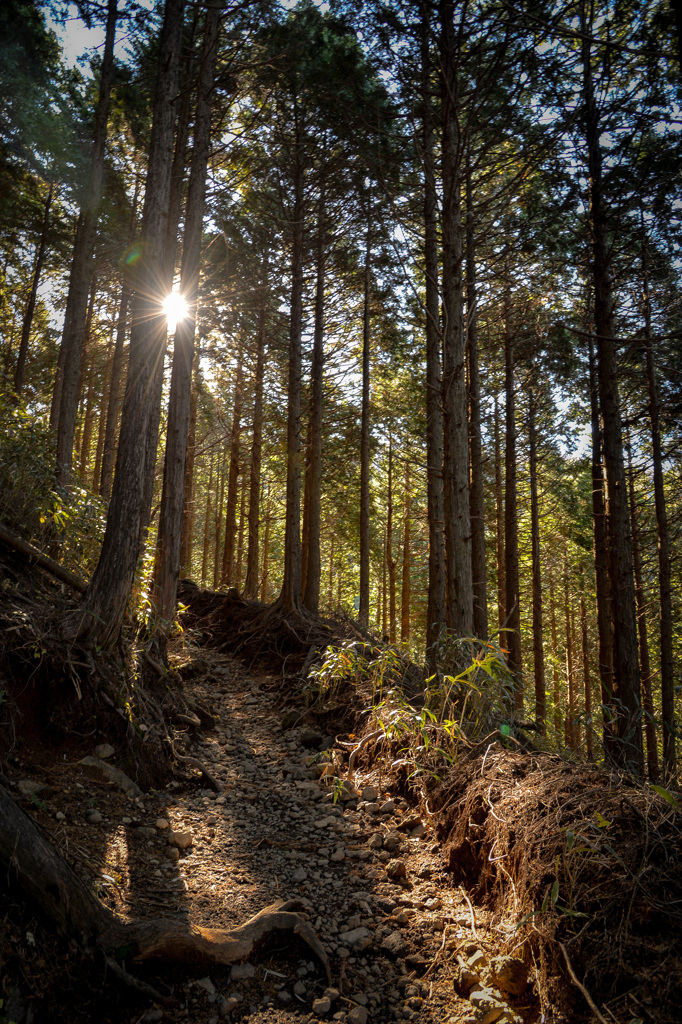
(175, 308)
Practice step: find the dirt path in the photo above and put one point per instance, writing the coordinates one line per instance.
(366, 867)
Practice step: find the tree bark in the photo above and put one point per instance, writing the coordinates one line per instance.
(629, 750)
(313, 481)
(27, 321)
(663, 535)
(266, 549)
(570, 677)
(65, 401)
(220, 499)
(207, 526)
(642, 630)
(587, 681)
(405, 595)
(101, 611)
(556, 694)
(117, 369)
(436, 611)
(456, 447)
(189, 505)
(363, 612)
(233, 473)
(252, 553)
(169, 540)
(290, 596)
(390, 560)
(512, 638)
(538, 640)
(499, 528)
(477, 495)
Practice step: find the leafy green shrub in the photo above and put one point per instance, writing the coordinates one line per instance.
(69, 522)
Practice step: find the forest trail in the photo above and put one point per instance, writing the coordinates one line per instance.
(367, 870)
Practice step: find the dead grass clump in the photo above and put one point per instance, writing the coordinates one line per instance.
(587, 866)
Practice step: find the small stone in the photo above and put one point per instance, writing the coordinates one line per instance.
(242, 972)
(376, 841)
(60, 816)
(299, 875)
(103, 751)
(387, 808)
(477, 960)
(207, 986)
(29, 787)
(510, 974)
(396, 869)
(283, 996)
(228, 1005)
(173, 854)
(357, 939)
(372, 808)
(181, 840)
(395, 945)
(424, 872)
(322, 1006)
(125, 820)
(162, 824)
(93, 817)
(145, 832)
(419, 832)
(152, 1016)
(488, 1007)
(299, 989)
(358, 1015)
(311, 738)
(338, 855)
(369, 794)
(392, 841)
(433, 903)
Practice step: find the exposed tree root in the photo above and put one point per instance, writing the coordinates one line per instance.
(32, 554)
(29, 860)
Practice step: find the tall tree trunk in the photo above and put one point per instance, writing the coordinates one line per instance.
(252, 553)
(512, 639)
(436, 612)
(601, 567)
(570, 677)
(88, 417)
(240, 534)
(117, 367)
(390, 560)
(313, 479)
(220, 498)
(643, 634)
(290, 597)
(27, 321)
(101, 420)
(177, 178)
(207, 526)
(663, 535)
(66, 388)
(405, 596)
(330, 590)
(499, 529)
(169, 541)
(233, 475)
(460, 604)
(266, 549)
(556, 694)
(587, 681)
(189, 509)
(363, 612)
(101, 611)
(538, 640)
(629, 750)
(477, 496)
(384, 589)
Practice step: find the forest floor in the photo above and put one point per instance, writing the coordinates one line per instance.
(367, 867)
(526, 886)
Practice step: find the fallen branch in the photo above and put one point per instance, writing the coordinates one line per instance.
(32, 554)
(578, 984)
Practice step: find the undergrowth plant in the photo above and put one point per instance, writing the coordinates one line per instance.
(70, 521)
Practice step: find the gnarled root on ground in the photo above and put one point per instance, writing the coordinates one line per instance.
(29, 860)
